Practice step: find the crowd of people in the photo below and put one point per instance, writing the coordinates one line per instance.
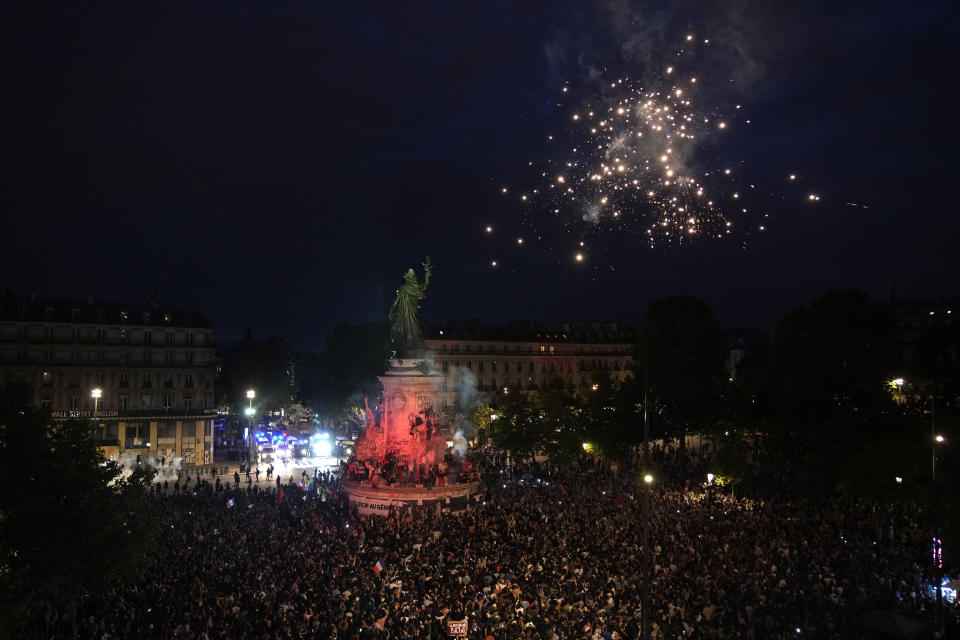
(390, 470)
(540, 555)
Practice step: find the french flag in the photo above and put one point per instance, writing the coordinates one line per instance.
(380, 566)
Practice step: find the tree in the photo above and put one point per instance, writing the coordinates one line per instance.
(821, 389)
(557, 419)
(608, 413)
(335, 381)
(480, 418)
(517, 427)
(69, 525)
(265, 367)
(681, 353)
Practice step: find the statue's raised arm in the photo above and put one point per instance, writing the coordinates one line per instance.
(405, 331)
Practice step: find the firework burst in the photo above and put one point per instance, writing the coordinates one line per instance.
(652, 156)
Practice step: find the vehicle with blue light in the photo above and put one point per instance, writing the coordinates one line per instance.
(321, 445)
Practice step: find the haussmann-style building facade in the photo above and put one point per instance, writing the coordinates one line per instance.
(143, 373)
(522, 356)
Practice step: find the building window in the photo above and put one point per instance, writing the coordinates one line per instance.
(123, 377)
(46, 378)
(189, 357)
(189, 337)
(145, 401)
(188, 381)
(543, 349)
(147, 381)
(147, 337)
(167, 400)
(74, 402)
(187, 403)
(480, 366)
(124, 336)
(551, 348)
(169, 337)
(101, 335)
(74, 314)
(45, 404)
(122, 402)
(48, 314)
(22, 311)
(123, 357)
(101, 315)
(146, 317)
(493, 367)
(99, 378)
(169, 358)
(47, 355)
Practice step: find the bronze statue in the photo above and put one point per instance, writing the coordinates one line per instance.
(405, 331)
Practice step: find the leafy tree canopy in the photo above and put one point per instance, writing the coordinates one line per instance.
(69, 525)
(681, 353)
(265, 367)
(335, 381)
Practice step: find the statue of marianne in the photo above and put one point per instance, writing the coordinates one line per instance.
(405, 331)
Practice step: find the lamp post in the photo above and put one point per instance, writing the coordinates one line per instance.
(898, 382)
(937, 439)
(645, 609)
(645, 505)
(249, 412)
(96, 394)
(934, 438)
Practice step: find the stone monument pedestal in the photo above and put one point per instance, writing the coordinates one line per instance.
(409, 431)
(371, 500)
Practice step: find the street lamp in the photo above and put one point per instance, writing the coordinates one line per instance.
(249, 411)
(648, 574)
(96, 394)
(898, 383)
(937, 439)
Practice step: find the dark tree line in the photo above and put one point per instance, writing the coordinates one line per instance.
(811, 407)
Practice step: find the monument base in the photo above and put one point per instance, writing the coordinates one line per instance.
(379, 500)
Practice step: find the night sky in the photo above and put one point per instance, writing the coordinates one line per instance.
(282, 165)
